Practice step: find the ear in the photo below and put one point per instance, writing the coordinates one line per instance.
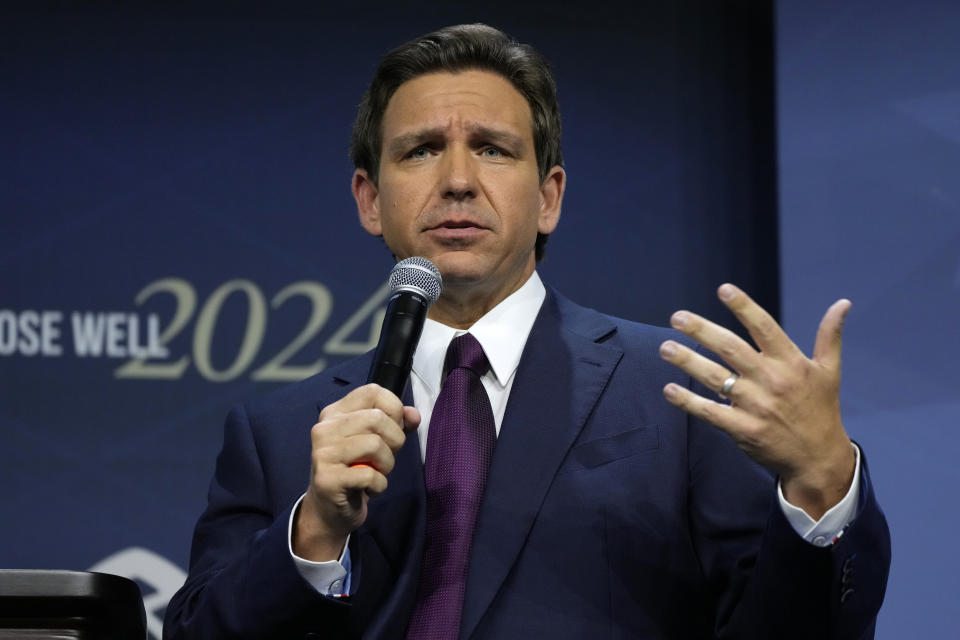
(551, 197)
(366, 194)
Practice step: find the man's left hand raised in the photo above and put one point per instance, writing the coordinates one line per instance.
(785, 407)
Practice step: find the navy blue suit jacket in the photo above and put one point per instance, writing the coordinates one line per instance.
(608, 513)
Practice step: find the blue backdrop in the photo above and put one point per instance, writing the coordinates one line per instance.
(869, 138)
(177, 233)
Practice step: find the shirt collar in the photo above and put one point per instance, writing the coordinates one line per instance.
(502, 332)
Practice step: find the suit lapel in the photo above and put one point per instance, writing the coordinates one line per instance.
(561, 375)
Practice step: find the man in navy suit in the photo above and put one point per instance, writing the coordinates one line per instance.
(623, 498)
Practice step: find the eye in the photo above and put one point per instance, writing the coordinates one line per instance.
(419, 153)
(492, 152)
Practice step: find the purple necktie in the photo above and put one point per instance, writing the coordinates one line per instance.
(459, 448)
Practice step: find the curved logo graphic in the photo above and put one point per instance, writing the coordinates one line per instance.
(157, 577)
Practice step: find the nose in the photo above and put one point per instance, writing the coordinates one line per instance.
(459, 179)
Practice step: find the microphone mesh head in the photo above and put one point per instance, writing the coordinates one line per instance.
(418, 275)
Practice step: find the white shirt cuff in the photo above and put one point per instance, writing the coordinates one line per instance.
(825, 531)
(328, 578)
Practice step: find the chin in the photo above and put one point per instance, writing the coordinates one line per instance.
(458, 274)
(460, 267)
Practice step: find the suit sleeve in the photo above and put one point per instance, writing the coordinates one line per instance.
(766, 581)
(242, 581)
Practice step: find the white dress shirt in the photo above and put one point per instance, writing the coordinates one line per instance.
(503, 333)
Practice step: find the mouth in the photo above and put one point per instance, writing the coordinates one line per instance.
(456, 224)
(456, 230)
(456, 233)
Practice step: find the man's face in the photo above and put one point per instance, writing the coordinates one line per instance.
(458, 182)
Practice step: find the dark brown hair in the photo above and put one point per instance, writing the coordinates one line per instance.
(453, 49)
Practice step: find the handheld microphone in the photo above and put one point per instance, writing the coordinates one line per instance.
(415, 284)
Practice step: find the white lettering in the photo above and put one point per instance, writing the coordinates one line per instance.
(155, 349)
(8, 332)
(29, 339)
(115, 335)
(133, 337)
(88, 330)
(50, 333)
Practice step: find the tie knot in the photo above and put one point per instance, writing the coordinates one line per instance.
(465, 352)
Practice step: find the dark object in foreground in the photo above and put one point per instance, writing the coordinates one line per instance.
(69, 604)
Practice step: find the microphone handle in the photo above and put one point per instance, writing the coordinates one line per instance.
(402, 326)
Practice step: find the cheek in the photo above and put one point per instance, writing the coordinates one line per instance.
(513, 192)
(395, 207)
(525, 208)
(403, 199)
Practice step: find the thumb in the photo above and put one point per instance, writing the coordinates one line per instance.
(411, 419)
(826, 350)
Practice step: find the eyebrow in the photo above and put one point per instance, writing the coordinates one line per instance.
(506, 138)
(403, 142)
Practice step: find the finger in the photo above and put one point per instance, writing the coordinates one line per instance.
(335, 423)
(411, 419)
(827, 348)
(708, 372)
(411, 422)
(364, 449)
(376, 422)
(724, 416)
(364, 478)
(329, 482)
(356, 423)
(764, 330)
(733, 349)
(369, 396)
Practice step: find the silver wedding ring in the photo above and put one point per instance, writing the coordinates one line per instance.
(728, 384)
